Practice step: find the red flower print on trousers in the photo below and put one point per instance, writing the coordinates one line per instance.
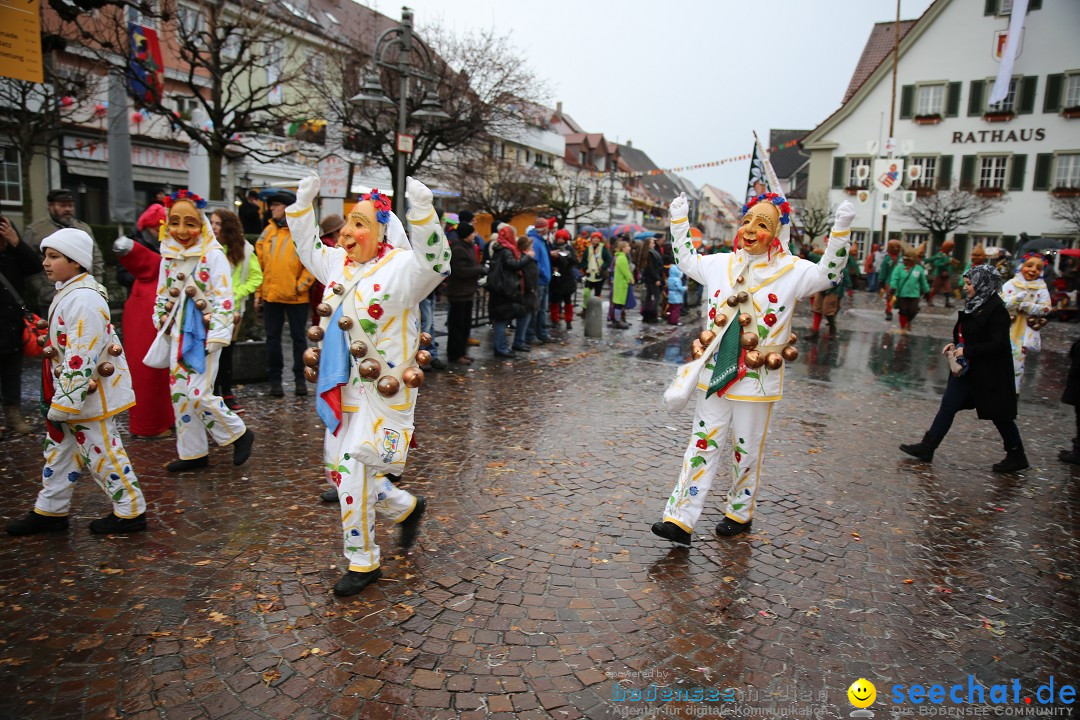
(703, 444)
(375, 310)
(80, 437)
(773, 298)
(227, 304)
(738, 456)
(377, 287)
(335, 476)
(769, 319)
(61, 339)
(204, 275)
(75, 362)
(348, 499)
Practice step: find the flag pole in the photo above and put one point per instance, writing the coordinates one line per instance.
(891, 140)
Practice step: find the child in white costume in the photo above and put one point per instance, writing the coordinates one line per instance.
(738, 373)
(195, 305)
(370, 331)
(1028, 302)
(86, 384)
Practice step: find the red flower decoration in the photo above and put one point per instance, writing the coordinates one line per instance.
(703, 444)
(716, 294)
(712, 313)
(769, 319)
(227, 304)
(738, 456)
(80, 437)
(204, 275)
(375, 310)
(377, 287)
(335, 476)
(61, 339)
(773, 298)
(348, 499)
(75, 362)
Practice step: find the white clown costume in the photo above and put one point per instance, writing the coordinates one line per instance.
(370, 334)
(87, 383)
(1027, 301)
(195, 304)
(751, 300)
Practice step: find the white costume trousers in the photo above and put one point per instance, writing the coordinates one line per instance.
(199, 411)
(361, 492)
(94, 446)
(706, 453)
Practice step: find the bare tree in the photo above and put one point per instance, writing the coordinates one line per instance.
(503, 188)
(815, 216)
(1067, 210)
(573, 196)
(946, 211)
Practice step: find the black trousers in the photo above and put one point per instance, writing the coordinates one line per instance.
(458, 324)
(957, 394)
(223, 382)
(10, 378)
(274, 315)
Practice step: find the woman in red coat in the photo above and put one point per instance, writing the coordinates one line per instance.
(152, 415)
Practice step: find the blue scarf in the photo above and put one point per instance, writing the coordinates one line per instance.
(333, 373)
(194, 338)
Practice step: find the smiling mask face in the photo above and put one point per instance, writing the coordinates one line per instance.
(185, 223)
(362, 233)
(1032, 269)
(759, 227)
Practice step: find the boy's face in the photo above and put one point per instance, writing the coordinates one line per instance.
(58, 268)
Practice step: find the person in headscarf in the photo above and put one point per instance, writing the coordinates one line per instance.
(982, 375)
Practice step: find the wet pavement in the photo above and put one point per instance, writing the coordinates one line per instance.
(536, 589)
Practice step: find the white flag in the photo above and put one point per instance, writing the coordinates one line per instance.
(1008, 57)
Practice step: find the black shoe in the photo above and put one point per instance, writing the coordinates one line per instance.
(111, 524)
(301, 388)
(1014, 461)
(812, 336)
(670, 531)
(621, 325)
(353, 582)
(832, 326)
(569, 325)
(410, 526)
(522, 348)
(437, 364)
(503, 354)
(36, 523)
(185, 465)
(242, 447)
(1069, 456)
(728, 527)
(923, 450)
(277, 391)
(329, 496)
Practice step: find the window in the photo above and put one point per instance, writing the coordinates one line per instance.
(190, 26)
(928, 179)
(1067, 171)
(860, 239)
(230, 46)
(313, 64)
(931, 100)
(10, 176)
(992, 172)
(137, 17)
(1005, 8)
(1072, 90)
(854, 164)
(915, 239)
(1006, 105)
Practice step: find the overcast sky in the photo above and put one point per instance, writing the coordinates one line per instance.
(686, 81)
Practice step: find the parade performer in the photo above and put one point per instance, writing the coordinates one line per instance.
(152, 416)
(738, 371)
(908, 283)
(888, 264)
(1028, 302)
(941, 265)
(366, 369)
(85, 384)
(193, 313)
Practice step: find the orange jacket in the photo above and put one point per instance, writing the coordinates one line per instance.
(285, 279)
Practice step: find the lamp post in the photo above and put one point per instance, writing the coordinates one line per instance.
(402, 40)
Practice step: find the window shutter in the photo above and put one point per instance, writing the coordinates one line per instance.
(1016, 177)
(967, 172)
(838, 172)
(1052, 101)
(1028, 85)
(1034, 5)
(975, 98)
(952, 99)
(944, 174)
(991, 7)
(1044, 163)
(1008, 242)
(907, 99)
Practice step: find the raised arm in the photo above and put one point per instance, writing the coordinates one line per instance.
(688, 260)
(431, 251)
(828, 272)
(319, 259)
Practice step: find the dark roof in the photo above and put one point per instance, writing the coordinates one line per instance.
(787, 162)
(662, 187)
(878, 47)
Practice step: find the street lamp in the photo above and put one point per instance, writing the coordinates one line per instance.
(401, 40)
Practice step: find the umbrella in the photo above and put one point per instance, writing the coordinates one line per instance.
(1039, 243)
(644, 235)
(627, 228)
(1073, 252)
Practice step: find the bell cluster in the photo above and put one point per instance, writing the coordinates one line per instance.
(104, 369)
(749, 339)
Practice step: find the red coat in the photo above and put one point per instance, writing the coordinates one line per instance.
(152, 414)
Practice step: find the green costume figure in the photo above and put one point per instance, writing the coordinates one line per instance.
(908, 283)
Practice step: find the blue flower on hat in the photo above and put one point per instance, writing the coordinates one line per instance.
(382, 216)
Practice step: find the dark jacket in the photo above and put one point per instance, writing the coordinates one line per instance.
(653, 272)
(16, 263)
(503, 306)
(563, 280)
(250, 218)
(989, 356)
(1072, 380)
(464, 272)
(530, 275)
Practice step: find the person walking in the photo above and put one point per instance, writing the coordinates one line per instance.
(908, 283)
(889, 263)
(465, 274)
(18, 262)
(982, 372)
(61, 207)
(283, 295)
(246, 277)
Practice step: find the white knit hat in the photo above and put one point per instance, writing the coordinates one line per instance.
(74, 243)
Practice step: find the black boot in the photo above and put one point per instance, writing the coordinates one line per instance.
(670, 531)
(353, 582)
(242, 447)
(37, 523)
(185, 465)
(329, 496)
(923, 450)
(832, 326)
(410, 526)
(1015, 460)
(728, 527)
(111, 524)
(1071, 456)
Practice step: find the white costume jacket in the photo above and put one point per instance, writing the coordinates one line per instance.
(204, 267)
(1024, 299)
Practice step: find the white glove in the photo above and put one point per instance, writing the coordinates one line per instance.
(122, 245)
(417, 193)
(307, 190)
(58, 415)
(680, 208)
(845, 214)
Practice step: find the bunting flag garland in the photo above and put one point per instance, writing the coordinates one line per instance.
(697, 166)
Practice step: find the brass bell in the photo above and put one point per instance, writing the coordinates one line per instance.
(790, 353)
(423, 357)
(311, 375)
(754, 359)
(181, 276)
(388, 385)
(339, 289)
(311, 357)
(116, 350)
(370, 368)
(358, 349)
(696, 349)
(323, 310)
(792, 338)
(169, 305)
(42, 324)
(42, 339)
(190, 291)
(721, 320)
(413, 377)
(706, 337)
(345, 322)
(749, 340)
(742, 296)
(745, 319)
(200, 304)
(732, 301)
(740, 280)
(106, 369)
(174, 291)
(315, 333)
(425, 338)
(91, 387)
(50, 352)
(773, 361)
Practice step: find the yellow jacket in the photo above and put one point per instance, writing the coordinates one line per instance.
(285, 280)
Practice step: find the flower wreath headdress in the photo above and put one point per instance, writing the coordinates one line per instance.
(185, 194)
(779, 242)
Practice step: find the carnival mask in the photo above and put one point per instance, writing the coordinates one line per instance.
(947, 247)
(893, 247)
(362, 233)
(1032, 268)
(185, 223)
(978, 255)
(759, 227)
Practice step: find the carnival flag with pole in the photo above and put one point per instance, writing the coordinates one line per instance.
(772, 184)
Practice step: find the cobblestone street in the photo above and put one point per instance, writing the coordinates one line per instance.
(536, 589)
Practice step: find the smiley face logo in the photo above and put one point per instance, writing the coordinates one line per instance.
(862, 693)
